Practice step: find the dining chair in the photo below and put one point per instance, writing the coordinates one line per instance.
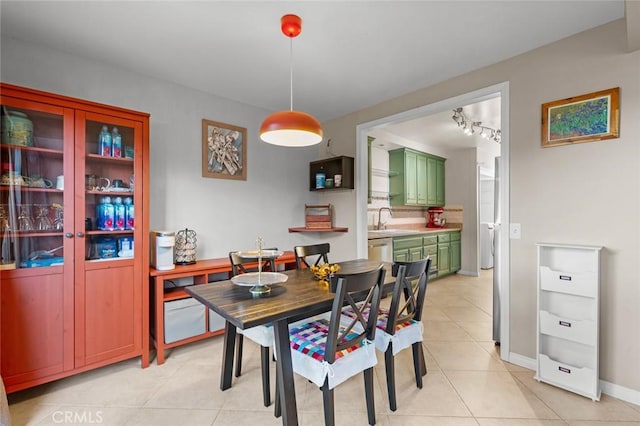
(304, 255)
(327, 352)
(262, 334)
(400, 325)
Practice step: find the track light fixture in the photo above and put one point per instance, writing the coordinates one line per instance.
(470, 127)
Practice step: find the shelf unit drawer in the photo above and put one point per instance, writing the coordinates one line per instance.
(578, 283)
(581, 380)
(455, 236)
(581, 331)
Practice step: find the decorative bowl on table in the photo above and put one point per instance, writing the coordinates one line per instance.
(323, 272)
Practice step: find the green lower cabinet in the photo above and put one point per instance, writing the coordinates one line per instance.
(415, 254)
(431, 250)
(444, 259)
(455, 256)
(401, 255)
(443, 248)
(407, 249)
(407, 255)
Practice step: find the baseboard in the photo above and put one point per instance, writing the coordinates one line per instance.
(523, 361)
(468, 273)
(620, 392)
(611, 389)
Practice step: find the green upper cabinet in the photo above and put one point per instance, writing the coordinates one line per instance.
(416, 178)
(421, 179)
(403, 180)
(431, 181)
(435, 181)
(410, 182)
(440, 182)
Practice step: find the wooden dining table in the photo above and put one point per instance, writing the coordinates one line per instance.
(301, 296)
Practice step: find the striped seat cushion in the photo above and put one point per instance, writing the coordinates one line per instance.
(405, 334)
(308, 346)
(311, 338)
(383, 318)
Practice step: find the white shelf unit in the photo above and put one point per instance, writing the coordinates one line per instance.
(568, 317)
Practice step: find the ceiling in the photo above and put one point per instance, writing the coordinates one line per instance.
(350, 55)
(441, 131)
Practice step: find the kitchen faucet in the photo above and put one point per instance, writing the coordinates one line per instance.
(379, 226)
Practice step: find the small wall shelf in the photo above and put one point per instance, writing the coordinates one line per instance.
(330, 167)
(334, 229)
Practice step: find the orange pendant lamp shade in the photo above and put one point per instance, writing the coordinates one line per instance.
(291, 128)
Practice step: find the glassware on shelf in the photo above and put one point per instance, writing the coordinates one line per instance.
(25, 223)
(58, 221)
(43, 222)
(4, 218)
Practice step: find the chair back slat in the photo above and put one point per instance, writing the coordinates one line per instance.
(239, 264)
(304, 253)
(349, 289)
(408, 293)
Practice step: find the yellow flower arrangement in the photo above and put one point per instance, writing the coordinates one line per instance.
(322, 272)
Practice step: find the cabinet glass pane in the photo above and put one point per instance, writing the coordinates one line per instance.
(32, 187)
(109, 193)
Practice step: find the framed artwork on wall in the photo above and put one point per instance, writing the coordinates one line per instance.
(586, 118)
(224, 150)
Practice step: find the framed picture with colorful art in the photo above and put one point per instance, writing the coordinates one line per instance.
(586, 118)
(224, 151)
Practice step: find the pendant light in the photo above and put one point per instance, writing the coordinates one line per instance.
(291, 128)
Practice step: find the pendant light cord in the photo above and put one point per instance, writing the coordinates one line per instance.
(291, 73)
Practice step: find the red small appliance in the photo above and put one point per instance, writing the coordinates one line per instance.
(435, 217)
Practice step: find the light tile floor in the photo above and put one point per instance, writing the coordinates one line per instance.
(466, 384)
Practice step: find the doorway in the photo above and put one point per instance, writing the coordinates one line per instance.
(501, 235)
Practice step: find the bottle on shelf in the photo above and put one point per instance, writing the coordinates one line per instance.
(116, 139)
(118, 214)
(105, 142)
(105, 215)
(128, 212)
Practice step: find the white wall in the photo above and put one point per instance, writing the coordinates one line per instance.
(561, 194)
(461, 189)
(226, 214)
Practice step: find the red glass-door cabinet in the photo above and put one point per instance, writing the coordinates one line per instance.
(74, 293)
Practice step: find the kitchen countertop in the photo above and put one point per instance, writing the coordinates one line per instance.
(390, 233)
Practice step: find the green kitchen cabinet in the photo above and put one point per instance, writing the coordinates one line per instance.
(440, 201)
(421, 179)
(416, 178)
(456, 252)
(415, 254)
(407, 249)
(407, 181)
(430, 249)
(435, 181)
(444, 254)
(442, 247)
